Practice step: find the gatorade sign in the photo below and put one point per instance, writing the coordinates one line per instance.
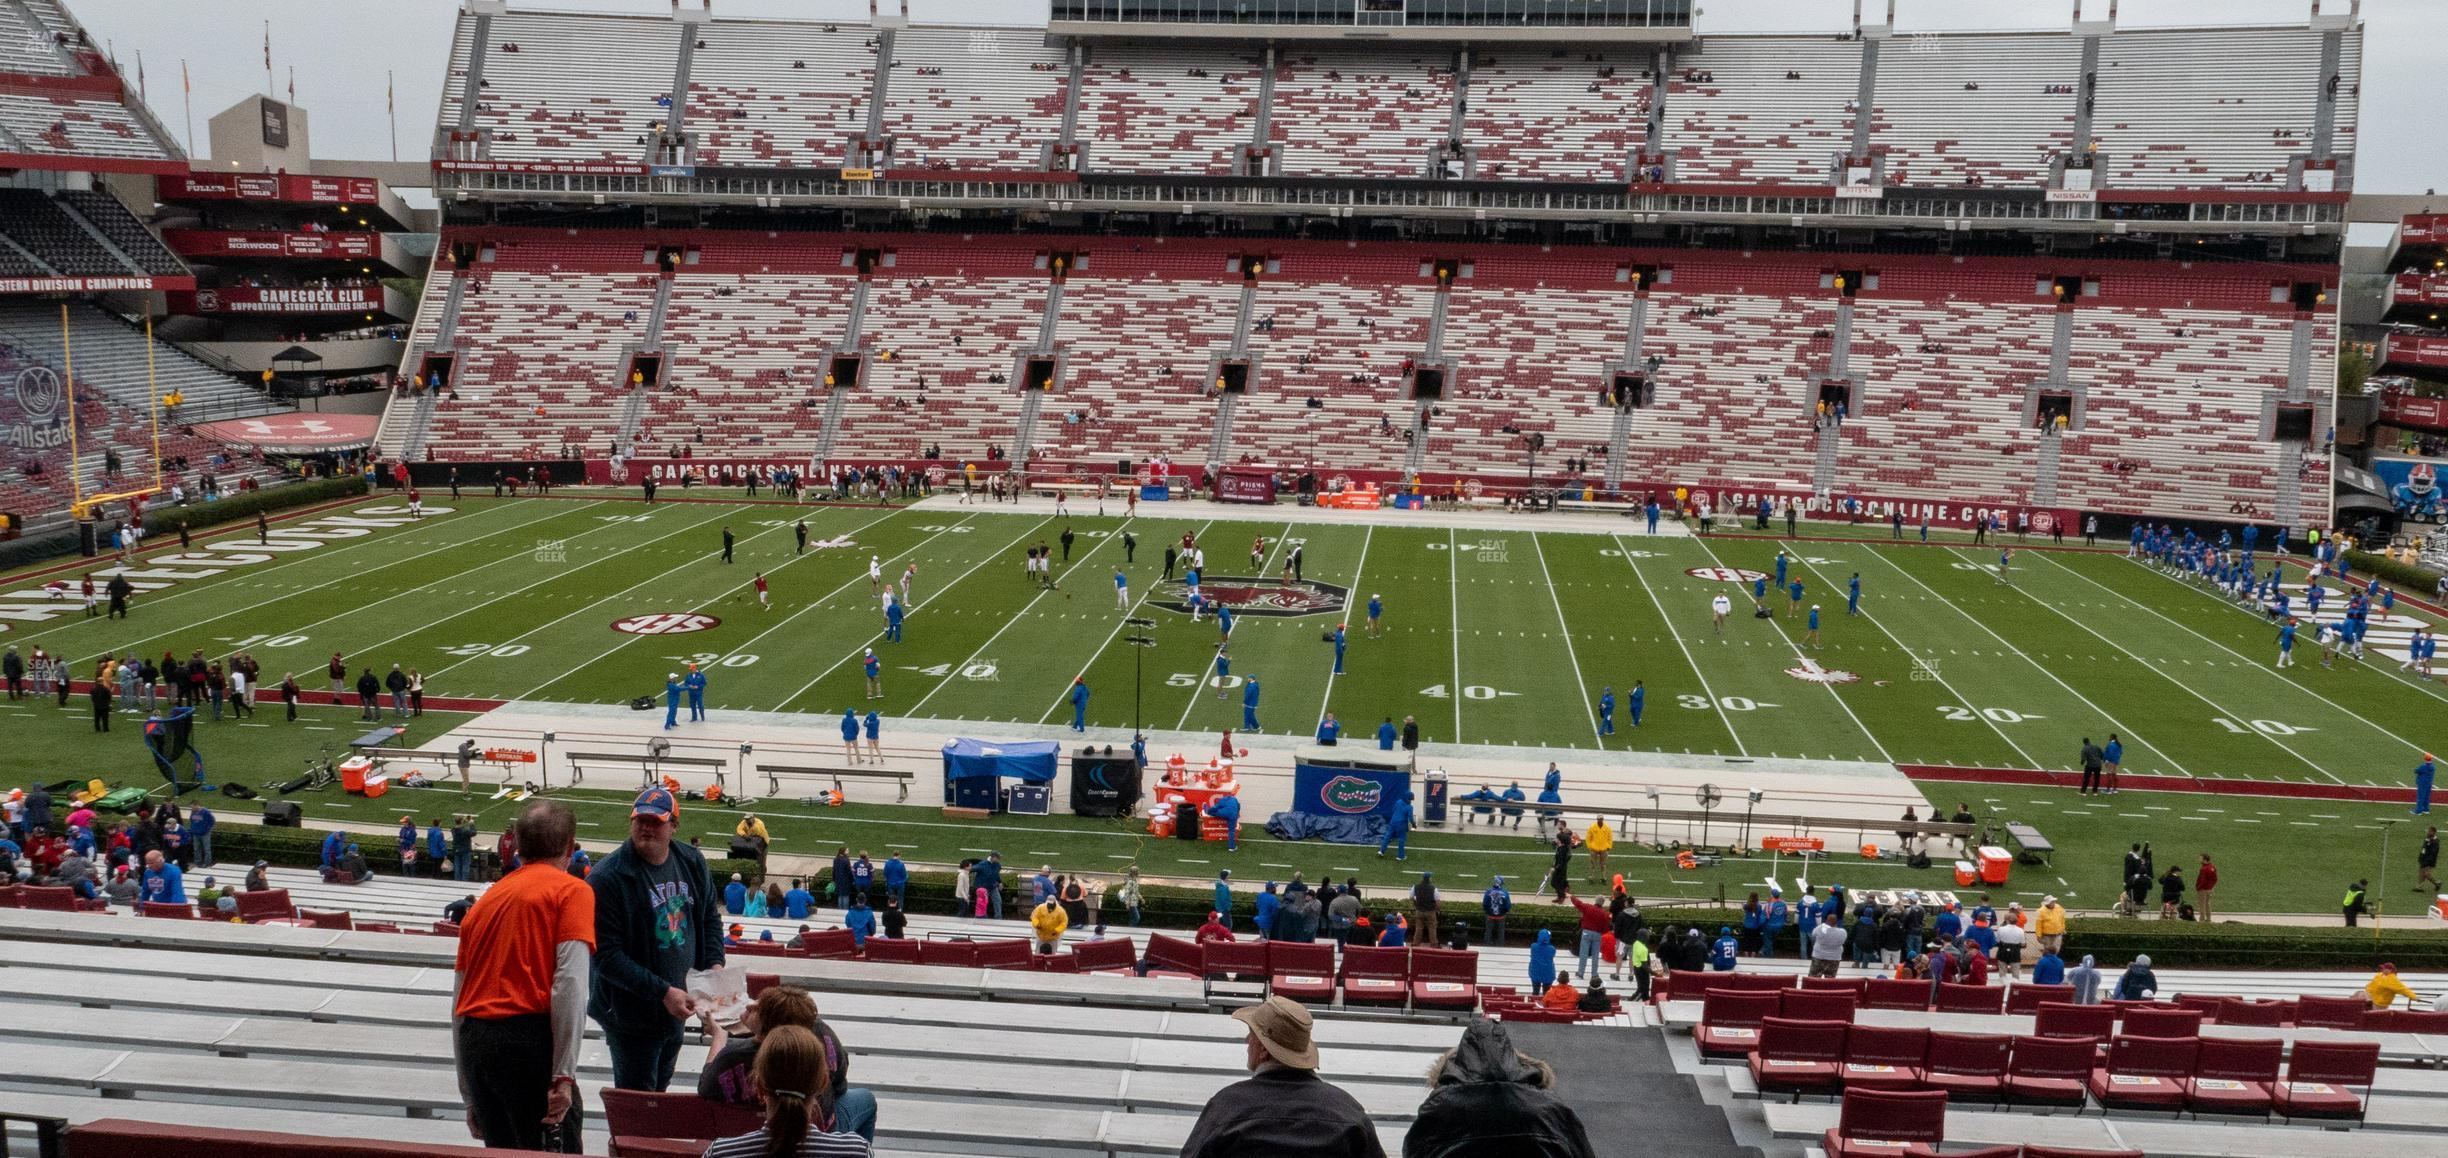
(665, 623)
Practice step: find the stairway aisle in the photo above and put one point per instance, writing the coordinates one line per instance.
(1624, 1085)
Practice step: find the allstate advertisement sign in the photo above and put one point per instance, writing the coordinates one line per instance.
(1322, 791)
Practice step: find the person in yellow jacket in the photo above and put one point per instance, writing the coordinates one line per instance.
(2049, 925)
(1599, 840)
(1049, 922)
(2386, 987)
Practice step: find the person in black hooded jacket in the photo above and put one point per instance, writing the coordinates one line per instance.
(1486, 1098)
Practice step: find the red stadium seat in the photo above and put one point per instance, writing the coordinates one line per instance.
(2095, 1022)
(1953, 998)
(1010, 953)
(2161, 1021)
(1889, 993)
(2235, 1077)
(2049, 1071)
(1852, 985)
(323, 920)
(117, 1138)
(758, 983)
(1235, 960)
(1884, 1057)
(831, 944)
(2330, 1012)
(1806, 1005)
(1888, 1124)
(2027, 999)
(265, 905)
(2145, 1073)
(1376, 976)
(896, 951)
(2321, 1078)
(159, 909)
(2071, 1152)
(1730, 1022)
(660, 1124)
(1174, 957)
(2239, 1011)
(52, 898)
(1968, 1067)
(1797, 1056)
(1106, 956)
(1302, 971)
(958, 954)
(1444, 979)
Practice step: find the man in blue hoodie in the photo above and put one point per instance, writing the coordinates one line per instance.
(1223, 896)
(1721, 954)
(1228, 810)
(735, 895)
(1778, 916)
(1398, 830)
(200, 824)
(860, 920)
(331, 851)
(656, 918)
(163, 883)
(798, 902)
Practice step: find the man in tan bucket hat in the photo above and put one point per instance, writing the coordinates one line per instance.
(1282, 1110)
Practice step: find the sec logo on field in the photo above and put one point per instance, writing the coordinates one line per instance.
(665, 623)
(1725, 574)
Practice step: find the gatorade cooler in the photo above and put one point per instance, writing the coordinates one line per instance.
(1995, 864)
(1214, 828)
(1966, 876)
(2439, 907)
(1432, 797)
(353, 773)
(1160, 822)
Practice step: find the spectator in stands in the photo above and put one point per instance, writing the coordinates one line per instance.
(2386, 987)
(519, 997)
(350, 869)
(791, 1073)
(122, 890)
(1282, 1110)
(1487, 1097)
(258, 878)
(162, 881)
(1561, 997)
(1048, 920)
(2138, 983)
(1214, 930)
(1542, 962)
(2085, 978)
(860, 920)
(656, 919)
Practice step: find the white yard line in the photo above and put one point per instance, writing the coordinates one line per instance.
(342, 574)
(2264, 669)
(1359, 572)
(1111, 539)
(1588, 709)
(1065, 695)
(1668, 619)
(2029, 760)
(2157, 670)
(457, 612)
(2387, 670)
(1718, 563)
(861, 649)
(1453, 588)
(660, 577)
(2122, 728)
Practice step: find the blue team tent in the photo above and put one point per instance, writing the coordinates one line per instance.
(972, 767)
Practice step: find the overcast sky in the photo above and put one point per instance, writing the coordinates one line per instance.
(343, 50)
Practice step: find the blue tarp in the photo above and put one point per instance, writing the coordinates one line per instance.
(1028, 761)
(1334, 829)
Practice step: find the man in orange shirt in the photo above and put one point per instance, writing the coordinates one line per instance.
(518, 1009)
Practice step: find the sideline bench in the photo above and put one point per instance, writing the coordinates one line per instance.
(645, 766)
(773, 774)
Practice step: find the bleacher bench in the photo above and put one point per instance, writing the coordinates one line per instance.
(773, 774)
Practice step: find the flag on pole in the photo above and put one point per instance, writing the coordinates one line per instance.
(267, 46)
(293, 84)
(388, 105)
(140, 81)
(185, 85)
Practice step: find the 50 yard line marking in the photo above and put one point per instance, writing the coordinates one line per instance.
(1667, 619)
(1569, 653)
(1111, 539)
(1065, 694)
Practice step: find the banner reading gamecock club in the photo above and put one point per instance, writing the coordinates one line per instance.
(255, 300)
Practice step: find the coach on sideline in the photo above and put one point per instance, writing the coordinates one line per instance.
(657, 917)
(518, 1006)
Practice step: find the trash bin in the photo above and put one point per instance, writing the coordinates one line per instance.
(1432, 797)
(1185, 821)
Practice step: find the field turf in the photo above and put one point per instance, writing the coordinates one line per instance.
(1496, 639)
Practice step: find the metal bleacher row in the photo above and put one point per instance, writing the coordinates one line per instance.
(2174, 368)
(2168, 110)
(40, 41)
(105, 1015)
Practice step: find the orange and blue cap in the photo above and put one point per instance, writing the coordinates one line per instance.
(656, 801)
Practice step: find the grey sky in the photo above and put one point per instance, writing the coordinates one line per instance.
(341, 50)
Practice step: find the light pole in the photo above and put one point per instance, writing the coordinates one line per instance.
(1142, 642)
(2380, 907)
(1537, 441)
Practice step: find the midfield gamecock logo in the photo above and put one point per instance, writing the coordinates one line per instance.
(1351, 794)
(1253, 596)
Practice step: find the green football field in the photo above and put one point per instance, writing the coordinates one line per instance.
(1488, 638)
(1495, 639)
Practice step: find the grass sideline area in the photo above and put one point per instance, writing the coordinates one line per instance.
(1492, 639)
